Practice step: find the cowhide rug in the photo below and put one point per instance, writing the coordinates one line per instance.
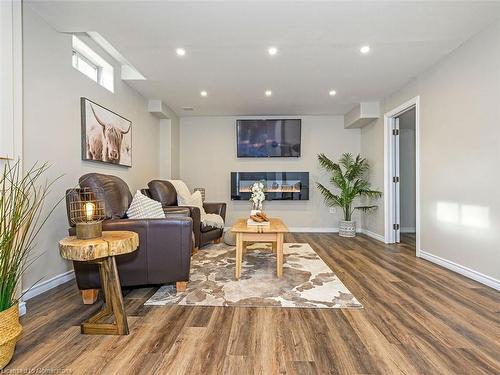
(307, 281)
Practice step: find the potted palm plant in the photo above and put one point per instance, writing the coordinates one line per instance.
(349, 176)
(22, 196)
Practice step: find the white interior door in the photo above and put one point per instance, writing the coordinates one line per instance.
(396, 185)
(392, 168)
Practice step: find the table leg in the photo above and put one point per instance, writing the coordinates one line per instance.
(114, 304)
(116, 297)
(107, 308)
(275, 246)
(279, 254)
(239, 254)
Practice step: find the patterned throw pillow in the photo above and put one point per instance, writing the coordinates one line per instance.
(143, 207)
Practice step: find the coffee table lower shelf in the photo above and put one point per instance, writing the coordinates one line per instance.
(273, 233)
(275, 238)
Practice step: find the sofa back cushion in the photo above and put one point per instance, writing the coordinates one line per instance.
(163, 192)
(116, 194)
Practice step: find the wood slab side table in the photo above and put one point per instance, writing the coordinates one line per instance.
(102, 251)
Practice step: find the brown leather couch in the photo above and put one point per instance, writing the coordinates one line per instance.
(165, 245)
(164, 192)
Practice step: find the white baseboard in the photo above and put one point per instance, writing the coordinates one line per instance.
(306, 229)
(408, 230)
(48, 284)
(330, 230)
(313, 230)
(373, 235)
(462, 270)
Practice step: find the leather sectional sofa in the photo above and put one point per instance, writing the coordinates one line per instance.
(165, 245)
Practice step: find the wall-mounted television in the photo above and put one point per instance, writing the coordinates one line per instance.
(268, 138)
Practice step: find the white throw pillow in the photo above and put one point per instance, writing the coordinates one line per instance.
(143, 207)
(193, 200)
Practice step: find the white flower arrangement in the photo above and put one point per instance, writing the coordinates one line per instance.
(258, 195)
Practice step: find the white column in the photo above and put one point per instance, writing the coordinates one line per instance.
(165, 149)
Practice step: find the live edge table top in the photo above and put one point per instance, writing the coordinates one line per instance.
(276, 226)
(111, 243)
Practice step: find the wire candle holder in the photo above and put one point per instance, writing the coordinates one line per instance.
(87, 211)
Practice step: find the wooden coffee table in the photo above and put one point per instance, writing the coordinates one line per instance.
(269, 233)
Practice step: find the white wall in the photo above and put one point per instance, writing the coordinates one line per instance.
(10, 79)
(165, 155)
(208, 155)
(460, 143)
(52, 91)
(6, 80)
(169, 144)
(11, 89)
(407, 181)
(175, 146)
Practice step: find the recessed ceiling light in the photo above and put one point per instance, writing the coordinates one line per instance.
(188, 108)
(272, 51)
(364, 49)
(332, 92)
(180, 51)
(268, 92)
(203, 93)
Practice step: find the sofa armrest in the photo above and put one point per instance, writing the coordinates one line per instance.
(167, 242)
(215, 208)
(125, 224)
(163, 255)
(176, 211)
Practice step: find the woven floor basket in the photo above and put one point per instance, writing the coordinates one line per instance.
(10, 329)
(347, 228)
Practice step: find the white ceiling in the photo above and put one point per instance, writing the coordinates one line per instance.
(318, 44)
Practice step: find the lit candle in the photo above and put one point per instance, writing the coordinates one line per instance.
(89, 210)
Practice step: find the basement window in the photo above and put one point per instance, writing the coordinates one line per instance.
(88, 62)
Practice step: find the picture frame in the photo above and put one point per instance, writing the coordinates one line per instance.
(106, 136)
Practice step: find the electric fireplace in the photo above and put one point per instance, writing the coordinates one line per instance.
(277, 185)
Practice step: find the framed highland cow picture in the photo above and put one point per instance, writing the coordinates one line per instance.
(106, 136)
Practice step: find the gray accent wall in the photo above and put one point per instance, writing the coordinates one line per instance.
(208, 156)
(52, 91)
(459, 155)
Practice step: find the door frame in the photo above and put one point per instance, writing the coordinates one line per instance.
(389, 151)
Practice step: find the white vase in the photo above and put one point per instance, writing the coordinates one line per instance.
(347, 228)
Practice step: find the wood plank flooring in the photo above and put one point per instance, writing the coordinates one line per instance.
(418, 318)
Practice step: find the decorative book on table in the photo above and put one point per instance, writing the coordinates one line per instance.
(256, 223)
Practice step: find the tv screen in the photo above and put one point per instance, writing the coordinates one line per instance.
(268, 138)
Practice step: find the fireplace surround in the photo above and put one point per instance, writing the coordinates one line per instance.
(277, 185)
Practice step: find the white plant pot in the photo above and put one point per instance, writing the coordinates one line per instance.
(347, 228)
